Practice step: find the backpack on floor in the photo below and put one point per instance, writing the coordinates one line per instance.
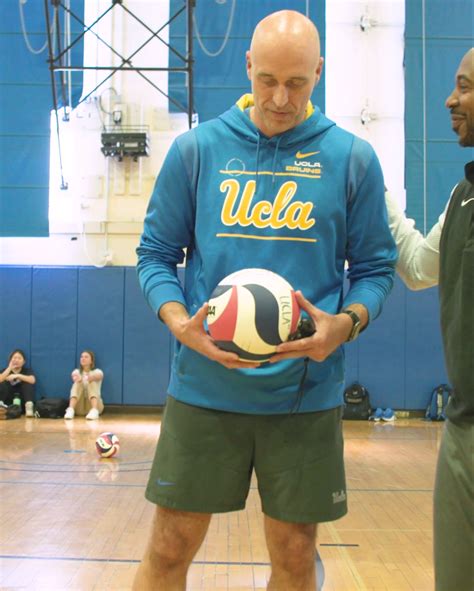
(356, 403)
(439, 398)
(13, 411)
(51, 408)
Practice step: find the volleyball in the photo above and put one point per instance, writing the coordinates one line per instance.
(251, 312)
(107, 445)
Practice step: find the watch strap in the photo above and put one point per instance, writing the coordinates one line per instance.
(355, 324)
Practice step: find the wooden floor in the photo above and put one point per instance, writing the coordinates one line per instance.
(69, 520)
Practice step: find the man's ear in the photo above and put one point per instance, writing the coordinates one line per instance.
(319, 69)
(248, 64)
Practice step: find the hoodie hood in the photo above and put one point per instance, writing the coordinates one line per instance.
(239, 121)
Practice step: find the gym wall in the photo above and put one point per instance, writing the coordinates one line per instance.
(437, 35)
(53, 313)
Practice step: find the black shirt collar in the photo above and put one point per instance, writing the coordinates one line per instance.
(469, 172)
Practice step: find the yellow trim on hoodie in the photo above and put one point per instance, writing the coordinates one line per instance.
(246, 101)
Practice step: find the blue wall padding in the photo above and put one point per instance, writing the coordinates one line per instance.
(54, 328)
(146, 349)
(449, 33)
(55, 312)
(100, 324)
(15, 311)
(381, 353)
(424, 360)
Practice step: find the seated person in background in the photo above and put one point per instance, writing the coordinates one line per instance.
(17, 382)
(85, 392)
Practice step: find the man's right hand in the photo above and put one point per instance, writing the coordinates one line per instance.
(190, 332)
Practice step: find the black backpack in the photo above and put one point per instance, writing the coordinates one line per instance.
(439, 398)
(356, 403)
(51, 408)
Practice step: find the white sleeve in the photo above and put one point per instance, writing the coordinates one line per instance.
(418, 256)
(97, 374)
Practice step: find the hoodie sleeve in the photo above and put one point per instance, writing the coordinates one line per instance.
(168, 230)
(371, 252)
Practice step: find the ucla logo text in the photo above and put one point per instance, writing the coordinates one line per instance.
(284, 212)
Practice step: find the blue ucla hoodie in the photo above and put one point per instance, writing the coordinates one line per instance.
(300, 204)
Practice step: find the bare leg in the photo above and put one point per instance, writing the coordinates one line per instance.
(175, 538)
(292, 549)
(73, 402)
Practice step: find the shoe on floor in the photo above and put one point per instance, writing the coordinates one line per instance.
(388, 415)
(69, 414)
(92, 415)
(376, 415)
(29, 409)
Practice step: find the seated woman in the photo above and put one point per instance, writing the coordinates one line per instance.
(85, 398)
(18, 382)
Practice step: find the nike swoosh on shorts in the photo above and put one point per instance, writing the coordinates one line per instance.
(164, 482)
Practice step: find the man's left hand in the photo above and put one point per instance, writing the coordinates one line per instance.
(331, 331)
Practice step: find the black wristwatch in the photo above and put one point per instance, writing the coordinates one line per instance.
(355, 324)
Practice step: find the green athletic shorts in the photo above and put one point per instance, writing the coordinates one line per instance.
(204, 461)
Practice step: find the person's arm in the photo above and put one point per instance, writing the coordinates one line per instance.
(96, 375)
(371, 254)
(418, 256)
(5, 373)
(168, 230)
(29, 378)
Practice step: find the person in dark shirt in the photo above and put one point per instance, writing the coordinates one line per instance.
(448, 251)
(454, 487)
(18, 382)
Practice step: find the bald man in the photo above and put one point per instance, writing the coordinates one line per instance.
(272, 183)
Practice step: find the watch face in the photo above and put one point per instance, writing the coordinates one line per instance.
(355, 331)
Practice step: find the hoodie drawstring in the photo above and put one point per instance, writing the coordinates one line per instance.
(275, 155)
(258, 155)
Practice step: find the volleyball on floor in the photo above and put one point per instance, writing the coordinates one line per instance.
(107, 445)
(251, 312)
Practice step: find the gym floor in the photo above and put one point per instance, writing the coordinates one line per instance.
(72, 521)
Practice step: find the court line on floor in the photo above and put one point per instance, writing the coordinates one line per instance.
(390, 490)
(349, 490)
(346, 557)
(123, 560)
(92, 471)
(68, 464)
(110, 484)
(340, 545)
(389, 439)
(319, 563)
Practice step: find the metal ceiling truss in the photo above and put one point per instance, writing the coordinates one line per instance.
(57, 55)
